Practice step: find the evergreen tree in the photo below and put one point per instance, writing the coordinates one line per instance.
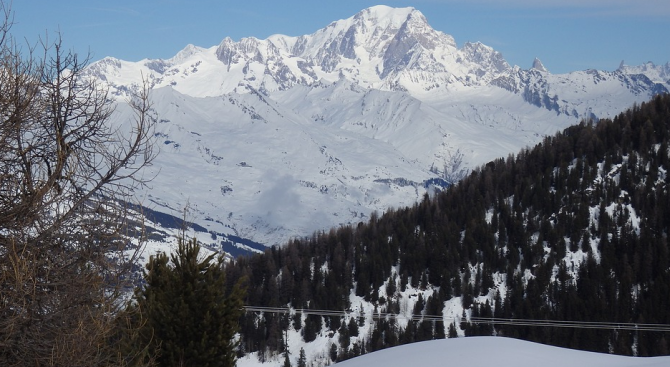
(452, 331)
(189, 319)
(302, 360)
(312, 328)
(353, 327)
(333, 352)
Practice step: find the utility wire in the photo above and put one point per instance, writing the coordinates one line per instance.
(472, 320)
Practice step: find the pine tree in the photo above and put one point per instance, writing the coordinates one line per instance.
(287, 361)
(452, 331)
(190, 321)
(302, 360)
(333, 352)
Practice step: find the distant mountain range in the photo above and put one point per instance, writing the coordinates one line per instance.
(265, 140)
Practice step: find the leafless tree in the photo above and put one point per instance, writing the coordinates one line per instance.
(65, 174)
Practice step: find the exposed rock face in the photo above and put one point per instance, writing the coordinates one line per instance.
(537, 65)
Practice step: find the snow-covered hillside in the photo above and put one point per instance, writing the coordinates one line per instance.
(492, 351)
(270, 139)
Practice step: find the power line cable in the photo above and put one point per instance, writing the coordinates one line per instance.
(473, 320)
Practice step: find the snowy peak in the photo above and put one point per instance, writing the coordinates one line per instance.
(537, 65)
(385, 16)
(375, 34)
(483, 63)
(381, 23)
(656, 73)
(247, 51)
(184, 54)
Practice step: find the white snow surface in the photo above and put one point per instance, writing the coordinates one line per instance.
(276, 138)
(493, 351)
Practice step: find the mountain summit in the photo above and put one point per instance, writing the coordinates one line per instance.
(275, 138)
(537, 65)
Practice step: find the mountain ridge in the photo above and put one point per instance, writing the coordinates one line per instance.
(366, 48)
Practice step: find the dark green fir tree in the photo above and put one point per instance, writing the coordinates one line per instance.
(189, 320)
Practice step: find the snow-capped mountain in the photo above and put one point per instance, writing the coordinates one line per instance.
(275, 138)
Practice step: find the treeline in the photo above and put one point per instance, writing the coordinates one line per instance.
(572, 229)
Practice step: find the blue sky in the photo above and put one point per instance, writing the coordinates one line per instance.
(566, 35)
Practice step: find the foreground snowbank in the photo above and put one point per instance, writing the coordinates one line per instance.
(495, 351)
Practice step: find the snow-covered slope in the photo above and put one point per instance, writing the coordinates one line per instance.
(268, 172)
(492, 351)
(269, 139)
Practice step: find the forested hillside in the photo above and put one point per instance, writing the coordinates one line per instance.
(574, 228)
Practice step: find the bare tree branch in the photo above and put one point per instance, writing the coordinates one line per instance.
(66, 176)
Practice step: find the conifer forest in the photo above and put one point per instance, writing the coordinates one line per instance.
(575, 228)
